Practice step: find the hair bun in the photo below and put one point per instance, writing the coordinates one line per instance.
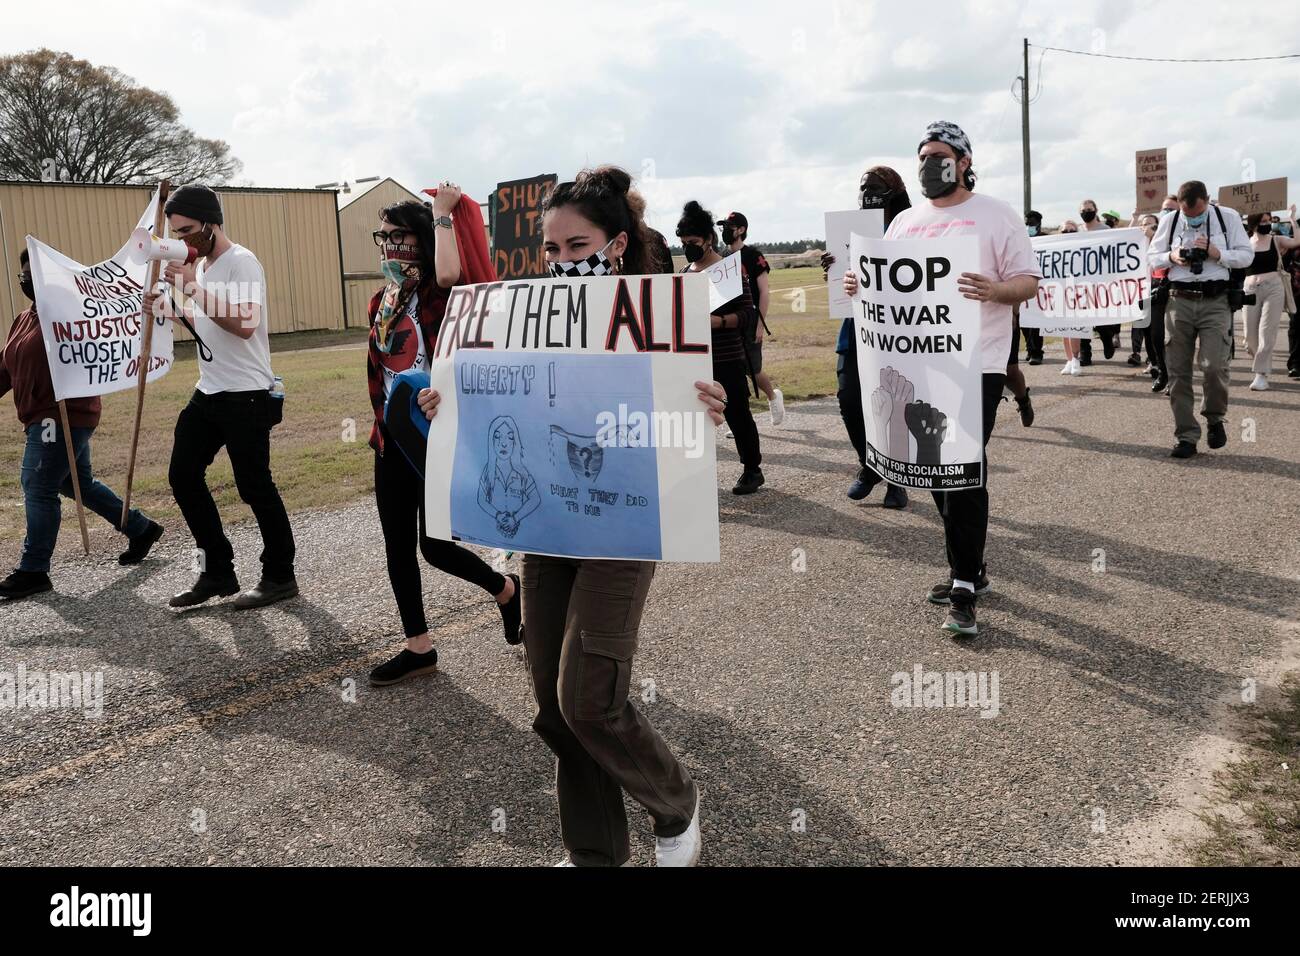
(611, 178)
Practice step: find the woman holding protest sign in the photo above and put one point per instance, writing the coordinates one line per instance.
(730, 360)
(880, 188)
(46, 472)
(424, 253)
(582, 617)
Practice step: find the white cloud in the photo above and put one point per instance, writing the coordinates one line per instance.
(773, 109)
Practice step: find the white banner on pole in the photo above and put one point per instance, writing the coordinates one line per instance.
(90, 319)
(1089, 279)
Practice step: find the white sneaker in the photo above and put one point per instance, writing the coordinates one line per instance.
(777, 406)
(726, 432)
(1260, 384)
(1076, 368)
(1065, 369)
(566, 862)
(683, 849)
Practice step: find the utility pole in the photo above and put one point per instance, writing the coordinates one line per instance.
(1024, 125)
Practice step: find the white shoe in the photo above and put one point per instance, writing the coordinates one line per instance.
(727, 433)
(1260, 384)
(1076, 368)
(777, 406)
(1065, 369)
(683, 849)
(566, 862)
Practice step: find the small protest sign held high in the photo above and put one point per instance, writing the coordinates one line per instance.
(516, 222)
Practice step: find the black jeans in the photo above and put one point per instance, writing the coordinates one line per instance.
(239, 422)
(734, 377)
(399, 496)
(1293, 342)
(850, 396)
(1033, 342)
(966, 513)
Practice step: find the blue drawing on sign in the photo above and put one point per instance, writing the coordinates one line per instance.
(536, 470)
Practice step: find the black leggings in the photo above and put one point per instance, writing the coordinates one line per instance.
(1155, 334)
(399, 495)
(734, 378)
(850, 396)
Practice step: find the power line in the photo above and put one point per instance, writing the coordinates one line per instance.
(1159, 59)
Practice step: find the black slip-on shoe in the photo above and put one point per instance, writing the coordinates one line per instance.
(1026, 406)
(1135, 359)
(267, 592)
(205, 588)
(404, 666)
(1184, 449)
(749, 482)
(23, 584)
(1215, 435)
(1160, 384)
(895, 497)
(138, 548)
(863, 483)
(511, 614)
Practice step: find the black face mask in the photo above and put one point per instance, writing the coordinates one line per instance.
(25, 285)
(936, 174)
(1087, 215)
(872, 196)
(1264, 228)
(728, 235)
(693, 252)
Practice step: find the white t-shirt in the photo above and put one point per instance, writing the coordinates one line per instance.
(237, 365)
(1005, 252)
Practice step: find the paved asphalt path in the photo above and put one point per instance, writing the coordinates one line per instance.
(227, 737)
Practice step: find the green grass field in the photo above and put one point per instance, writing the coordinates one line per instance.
(319, 455)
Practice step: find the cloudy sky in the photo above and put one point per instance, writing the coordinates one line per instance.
(773, 109)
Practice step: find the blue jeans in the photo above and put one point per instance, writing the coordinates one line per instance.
(45, 476)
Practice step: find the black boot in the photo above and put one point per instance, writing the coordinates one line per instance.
(206, 588)
(23, 584)
(267, 592)
(138, 547)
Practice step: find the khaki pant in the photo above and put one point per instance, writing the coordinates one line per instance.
(580, 629)
(1263, 319)
(1188, 320)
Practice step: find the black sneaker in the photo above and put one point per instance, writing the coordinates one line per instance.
(405, 665)
(1026, 407)
(1160, 384)
(1184, 449)
(23, 584)
(749, 482)
(205, 588)
(961, 614)
(1085, 359)
(1293, 373)
(511, 616)
(1215, 435)
(1036, 358)
(862, 485)
(1107, 346)
(1135, 359)
(267, 592)
(138, 547)
(895, 497)
(941, 592)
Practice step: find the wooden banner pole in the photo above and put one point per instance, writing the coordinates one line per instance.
(76, 480)
(146, 350)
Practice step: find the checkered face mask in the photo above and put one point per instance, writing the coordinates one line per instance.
(596, 264)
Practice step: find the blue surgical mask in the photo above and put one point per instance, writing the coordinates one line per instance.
(1284, 228)
(1033, 230)
(1197, 221)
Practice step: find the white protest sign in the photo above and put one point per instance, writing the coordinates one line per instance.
(918, 346)
(90, 319)
(1089, 279)
(570, 423)
(724, 280)
(839, 227)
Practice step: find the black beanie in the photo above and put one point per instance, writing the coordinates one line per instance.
(197, 202)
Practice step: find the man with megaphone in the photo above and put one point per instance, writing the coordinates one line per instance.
(235, 404)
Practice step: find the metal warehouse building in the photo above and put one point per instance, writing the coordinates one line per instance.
(294, 232)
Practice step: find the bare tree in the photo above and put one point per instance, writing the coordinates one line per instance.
(64, 118)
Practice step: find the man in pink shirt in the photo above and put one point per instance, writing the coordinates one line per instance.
(1008, 276)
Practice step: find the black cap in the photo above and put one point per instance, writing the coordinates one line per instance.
(197, 202)
(735, 219)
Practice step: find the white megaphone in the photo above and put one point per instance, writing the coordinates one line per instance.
(146, 247)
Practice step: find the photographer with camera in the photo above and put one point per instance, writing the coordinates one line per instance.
(1199, 247)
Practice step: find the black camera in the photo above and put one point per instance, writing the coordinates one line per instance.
(1195, 259)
